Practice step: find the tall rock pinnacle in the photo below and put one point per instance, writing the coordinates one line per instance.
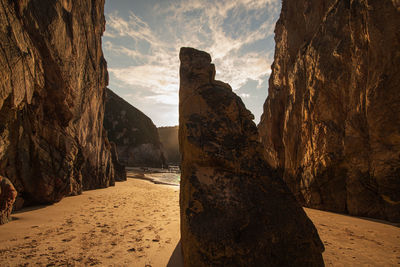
(235, 211)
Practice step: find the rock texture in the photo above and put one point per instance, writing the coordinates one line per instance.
(7, 199)
(331, 121)
(170, 142)
(134, 133)
(119, 169)
(235, 210)
(52, 92)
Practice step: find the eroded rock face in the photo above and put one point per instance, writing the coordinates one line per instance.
(170, 142)
(52, 92)
(119, 169)
(235, 210)
(134, 133)
(331, 121)
(7, 199)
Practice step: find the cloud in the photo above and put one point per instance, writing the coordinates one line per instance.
(233, 32)
(167, 99)
(133, 27)
(156, 78)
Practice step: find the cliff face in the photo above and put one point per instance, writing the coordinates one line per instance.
(235, 210)
(170, 142)
(52, 86)
(134, 133)
(331, 121)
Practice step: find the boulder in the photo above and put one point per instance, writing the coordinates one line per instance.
(7, 198)
(235, 209)
(331, 122)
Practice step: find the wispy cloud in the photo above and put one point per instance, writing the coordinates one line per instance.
(236, 33)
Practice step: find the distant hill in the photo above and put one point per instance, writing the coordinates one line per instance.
(134, 134)
(170, 142)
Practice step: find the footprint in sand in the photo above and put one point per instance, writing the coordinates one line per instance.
(149, 227)
(68, 239)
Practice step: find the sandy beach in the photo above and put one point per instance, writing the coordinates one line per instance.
(136, 223)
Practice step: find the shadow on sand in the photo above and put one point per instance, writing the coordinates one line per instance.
(395, 224)
(176, 259)
(38, 207)
(378, 221)
(14, 214)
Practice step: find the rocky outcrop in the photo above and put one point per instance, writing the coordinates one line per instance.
(134, 133)
(7, 199)
(52, 92)
(170, 142)
(331, 121)
(119, 169)
(235, 210)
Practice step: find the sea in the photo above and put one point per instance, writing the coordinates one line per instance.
(155, 175)
(169, 178)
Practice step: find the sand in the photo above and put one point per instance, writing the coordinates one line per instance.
(136, 223)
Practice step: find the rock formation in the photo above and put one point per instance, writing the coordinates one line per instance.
(170, 142)
(331, 121)
(52, 92)
(7, 199)
(119, 169)
(235, 210)
(134, 133)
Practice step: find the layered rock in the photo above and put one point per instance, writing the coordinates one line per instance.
(170, 142)
(52, 92)
(331, 121)
(235, 210)
(134, 133)
(7, 199)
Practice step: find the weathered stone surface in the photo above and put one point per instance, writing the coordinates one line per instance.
(170, 142)
(134, 133)
(7, 198)
(52, 86)
(235, 210)
(119, 169)
(331, 121)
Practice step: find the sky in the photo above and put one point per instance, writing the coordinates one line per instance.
(143, 37)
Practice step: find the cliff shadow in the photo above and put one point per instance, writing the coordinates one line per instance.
(30, 208)
(14, 214)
